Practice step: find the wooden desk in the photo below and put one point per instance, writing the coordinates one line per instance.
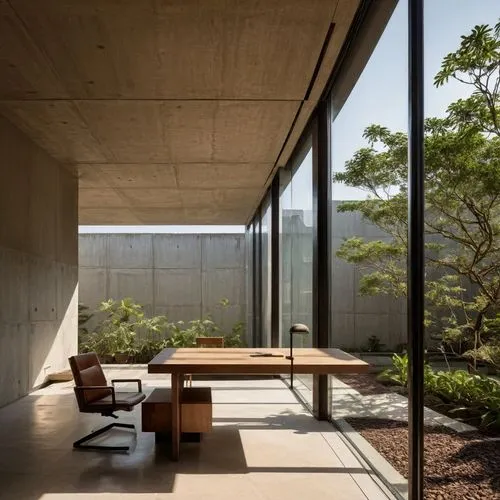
(240, 361)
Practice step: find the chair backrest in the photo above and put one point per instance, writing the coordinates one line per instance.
(87, 371)
(209, 341)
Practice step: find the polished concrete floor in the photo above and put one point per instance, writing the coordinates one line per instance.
(264, 445)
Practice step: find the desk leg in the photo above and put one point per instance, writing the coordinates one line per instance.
(177, 381)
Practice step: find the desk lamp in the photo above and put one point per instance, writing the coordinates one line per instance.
(297, 329)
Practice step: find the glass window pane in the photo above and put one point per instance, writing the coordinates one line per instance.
(266, 274)
(297, 245)
(368, 307)
(296, 252)
(364, 316)
(249, 270)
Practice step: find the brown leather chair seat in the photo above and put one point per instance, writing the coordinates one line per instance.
(124, 401)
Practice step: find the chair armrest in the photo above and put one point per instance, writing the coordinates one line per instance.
(137, 380)
(81, 388)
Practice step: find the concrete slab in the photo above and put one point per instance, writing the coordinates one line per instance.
(177, 287)
(264, 445)
(42, 289)
(222, 252)
(14, 292)
(93, 250)
(43, 207)
(38, 259)
(93, 286)
(179, 251)
(226, 317)
(14, 346)
(228, 89)
(134, 283)
(67, 218)
(130, 251)
(347, 402)
(223, 283)
(67, 289)
(177, 313)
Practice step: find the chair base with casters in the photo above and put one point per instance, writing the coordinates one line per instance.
(94, 395)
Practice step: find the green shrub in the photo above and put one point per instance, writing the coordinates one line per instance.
(183, 338)
(373, 345)
(398, 374)
(119, 328)
(83, 317)
(126, 330)
(233, 341)
(116, 334)
(153, 339)
(476, 395)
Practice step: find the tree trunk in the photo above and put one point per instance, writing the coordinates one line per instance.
(478, 324)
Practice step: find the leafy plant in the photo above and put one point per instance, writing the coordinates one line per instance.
(474, 395)
(373, 344)
(116, 333)
(84, 315)
(183, 338)
(126, 330)
(203, 327)
(478, 395)
(122, 311)
(147, 349)
(398, 374)
(118, 330)
(233, 341)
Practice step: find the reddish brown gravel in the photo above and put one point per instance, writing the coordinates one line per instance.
(457, 466)
(365, 384)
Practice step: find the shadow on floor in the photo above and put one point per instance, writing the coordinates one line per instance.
(299, 423)
(147, 469)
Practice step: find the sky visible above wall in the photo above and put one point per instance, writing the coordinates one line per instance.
(162, 229)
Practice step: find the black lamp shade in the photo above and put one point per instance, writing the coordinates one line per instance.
(299, 329)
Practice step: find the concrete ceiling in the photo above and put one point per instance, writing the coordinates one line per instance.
(170, 112)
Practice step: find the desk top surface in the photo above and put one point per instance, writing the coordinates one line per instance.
(248, 361)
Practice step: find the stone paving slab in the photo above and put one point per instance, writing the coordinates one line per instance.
(264, 445)
(348, 402)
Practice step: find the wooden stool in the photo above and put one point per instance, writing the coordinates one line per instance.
(196, 412)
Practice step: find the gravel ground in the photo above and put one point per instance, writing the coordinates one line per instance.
(457, 466)
(365, 384)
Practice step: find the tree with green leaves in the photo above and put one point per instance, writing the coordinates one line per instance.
(462, 224)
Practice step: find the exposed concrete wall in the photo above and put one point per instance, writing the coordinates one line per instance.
(181, 275)
(355, 317)
(38, 264)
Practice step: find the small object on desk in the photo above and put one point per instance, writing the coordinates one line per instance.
(265, 355)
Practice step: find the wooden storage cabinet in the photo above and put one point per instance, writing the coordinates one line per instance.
(196, 410)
